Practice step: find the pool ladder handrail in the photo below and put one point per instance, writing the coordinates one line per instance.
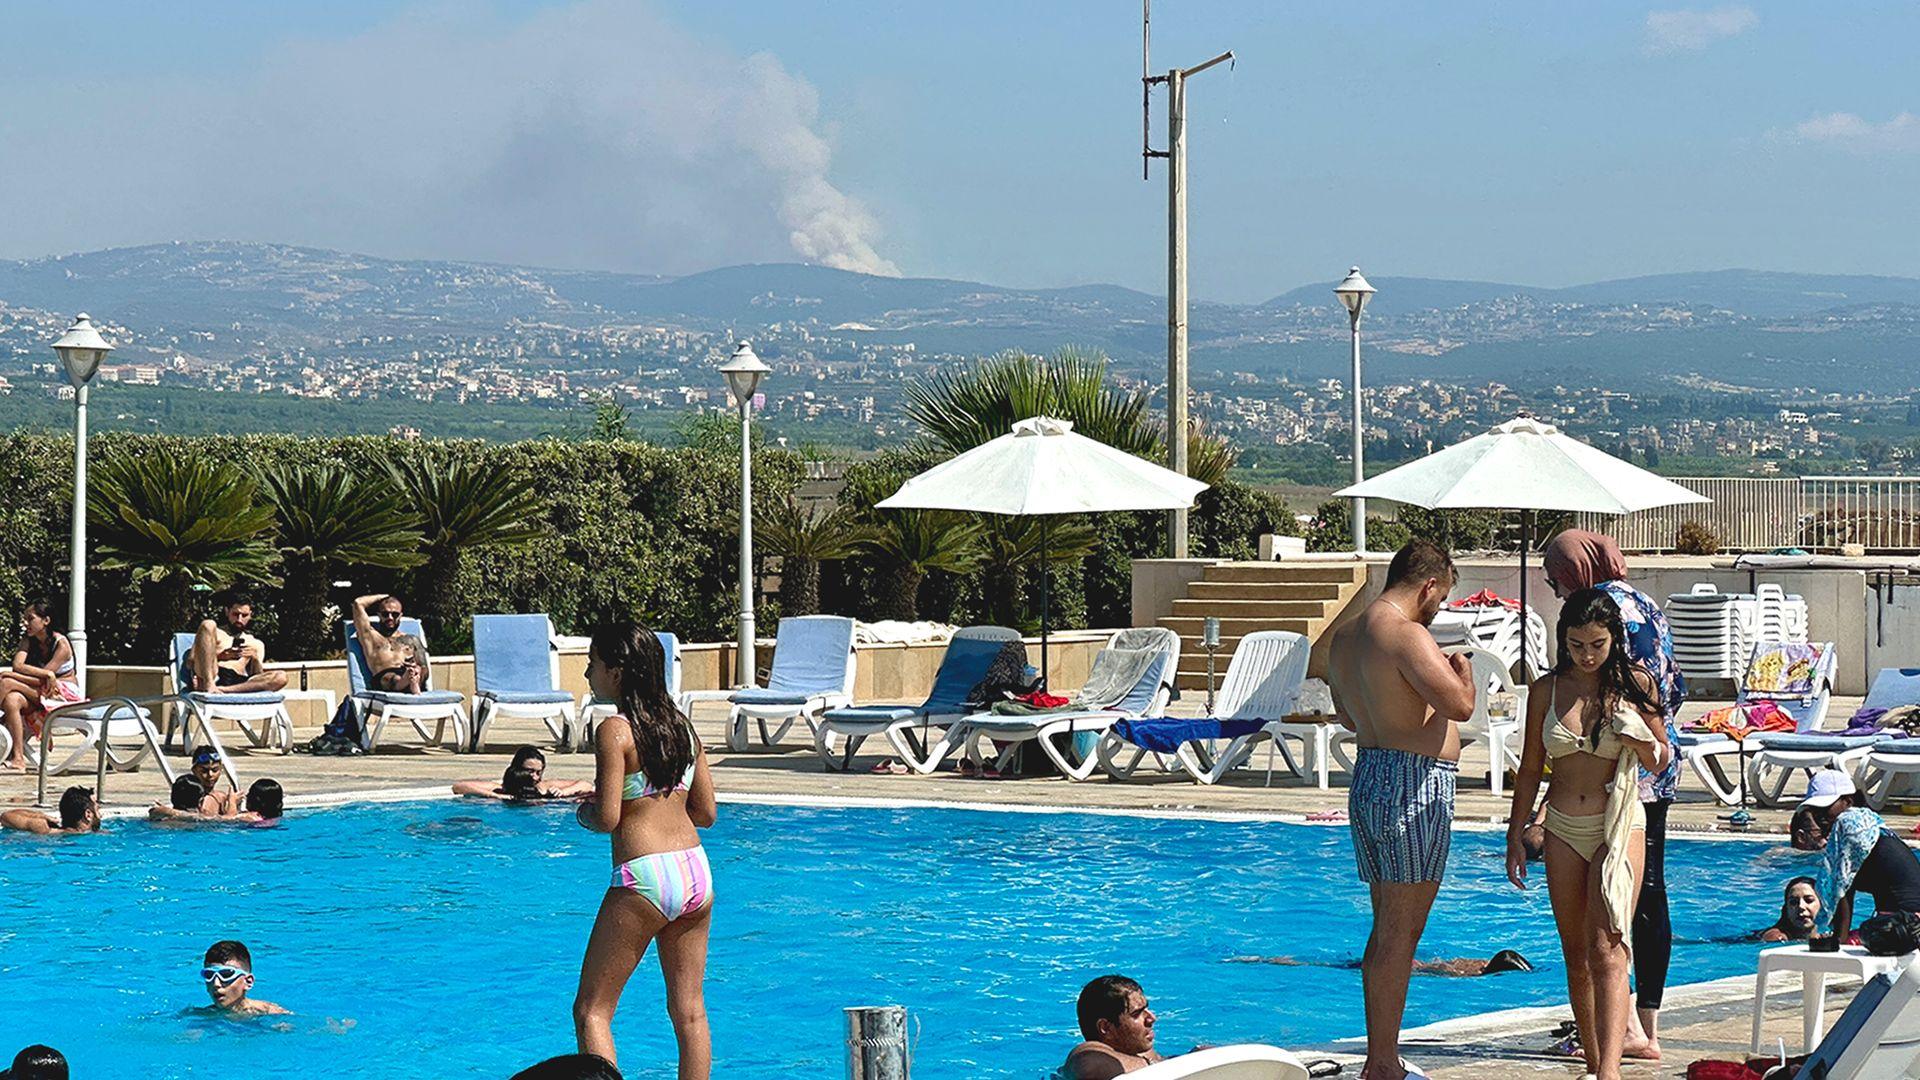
(114, 704)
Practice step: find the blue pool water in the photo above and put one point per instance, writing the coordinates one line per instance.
(441, 939)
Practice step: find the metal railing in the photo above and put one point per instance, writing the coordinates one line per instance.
(80, 716)
(1817, 513)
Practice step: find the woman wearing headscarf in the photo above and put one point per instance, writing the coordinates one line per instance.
(1578, 559)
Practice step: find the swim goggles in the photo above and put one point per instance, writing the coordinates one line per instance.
(206, 757)
(223, 974)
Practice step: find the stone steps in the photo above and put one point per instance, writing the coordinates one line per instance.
(1304, 598)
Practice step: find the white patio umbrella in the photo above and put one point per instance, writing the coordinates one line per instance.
(1042, 468)
(1525, 465)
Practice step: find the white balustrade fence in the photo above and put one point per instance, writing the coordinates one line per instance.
(1818, 513)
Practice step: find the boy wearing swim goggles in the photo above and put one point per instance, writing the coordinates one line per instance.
(228, 974)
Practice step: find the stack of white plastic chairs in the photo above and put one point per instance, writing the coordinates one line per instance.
(1714, 633)
(1497, 630)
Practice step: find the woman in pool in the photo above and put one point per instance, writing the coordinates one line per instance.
(1598, 717)
(662, 888)
(525, 781)
(42, 671)
(1799, 913)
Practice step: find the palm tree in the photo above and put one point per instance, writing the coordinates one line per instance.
(463, 504)
(1012, 545)
(329, 518)
(961, 408)
(805, 537)
(915, 543)
(177, 521)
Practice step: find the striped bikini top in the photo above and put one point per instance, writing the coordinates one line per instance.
(637, 786)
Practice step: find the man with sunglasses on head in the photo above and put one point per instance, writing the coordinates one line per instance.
(398, 661)
(228, 974)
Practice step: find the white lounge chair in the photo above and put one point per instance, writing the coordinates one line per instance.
(438, 707)
(1240, 1061)
(1889, 761)
(1263, 680)
(1707, 753)
(1776, 756)
(970, 652)
(813, 671)
(516, 674)
(1492, 673)
(1147, 696)
(593, 710)
(1877, 1036)
(97, 721)
(262, 717)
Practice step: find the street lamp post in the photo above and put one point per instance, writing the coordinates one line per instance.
(81, 349)
(1354, 292)
(744, 372)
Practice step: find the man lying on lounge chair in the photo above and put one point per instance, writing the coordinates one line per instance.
(1118, 1028)
(398, 661)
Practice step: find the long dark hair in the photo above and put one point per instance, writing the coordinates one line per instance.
(1620, 678)
(40, 609)
(1786, 900)
(661, 732)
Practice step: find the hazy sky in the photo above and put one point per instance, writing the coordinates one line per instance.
(1536, 143)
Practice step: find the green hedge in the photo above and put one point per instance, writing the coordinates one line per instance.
(636, 528)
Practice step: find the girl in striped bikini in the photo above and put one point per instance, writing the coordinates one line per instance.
(662, 887)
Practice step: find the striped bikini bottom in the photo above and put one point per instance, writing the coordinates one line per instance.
(676, 882)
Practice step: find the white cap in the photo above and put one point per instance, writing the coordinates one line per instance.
(1827, 787)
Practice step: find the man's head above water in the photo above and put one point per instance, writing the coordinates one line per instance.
(1113, 1011)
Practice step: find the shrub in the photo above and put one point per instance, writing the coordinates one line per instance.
(1695, 538)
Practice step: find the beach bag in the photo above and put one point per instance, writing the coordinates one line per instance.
(1006, 675)
(1892, 933)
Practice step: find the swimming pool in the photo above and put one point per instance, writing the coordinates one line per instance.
(440, 939)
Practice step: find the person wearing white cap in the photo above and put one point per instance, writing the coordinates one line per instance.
(1859, 853)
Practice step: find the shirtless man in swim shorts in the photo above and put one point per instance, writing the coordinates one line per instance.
(228, 660)
(1403, 695)
(397, 660)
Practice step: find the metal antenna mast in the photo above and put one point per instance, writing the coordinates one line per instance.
(1176, 155)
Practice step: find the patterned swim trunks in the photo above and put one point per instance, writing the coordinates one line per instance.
(1400, 808)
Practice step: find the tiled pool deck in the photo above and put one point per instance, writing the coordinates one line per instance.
(1707, 1020)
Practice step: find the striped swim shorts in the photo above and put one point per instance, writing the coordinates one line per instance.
(1401, 810)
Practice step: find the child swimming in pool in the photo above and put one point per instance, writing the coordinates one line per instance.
(662, 888)
(228, 973)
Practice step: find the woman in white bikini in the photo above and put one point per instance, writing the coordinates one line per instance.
(662, 888)
(1597, 717)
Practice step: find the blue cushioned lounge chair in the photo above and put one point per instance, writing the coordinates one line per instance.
(908, 727)
(376, 707)
(813, 671)
(261, 717)
(1057, 733)
(516, 673)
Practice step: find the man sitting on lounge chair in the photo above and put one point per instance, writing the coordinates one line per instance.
(228, 660)
(399, 662)
(1118, 1028)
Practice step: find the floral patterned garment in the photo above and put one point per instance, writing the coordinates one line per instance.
(1650, 643)
(1853, 838)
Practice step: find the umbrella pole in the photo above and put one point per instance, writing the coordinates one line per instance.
(1526, 646)
(1046, 593)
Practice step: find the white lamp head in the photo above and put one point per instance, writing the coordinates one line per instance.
(81, 349)
(1354, 292)
(744, 372)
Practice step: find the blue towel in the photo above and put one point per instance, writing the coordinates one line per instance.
(1164, 736)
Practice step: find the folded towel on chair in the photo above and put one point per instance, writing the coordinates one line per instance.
(1164, 736)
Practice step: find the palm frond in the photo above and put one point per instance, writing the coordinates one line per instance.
(328, 514)
(167, 516)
